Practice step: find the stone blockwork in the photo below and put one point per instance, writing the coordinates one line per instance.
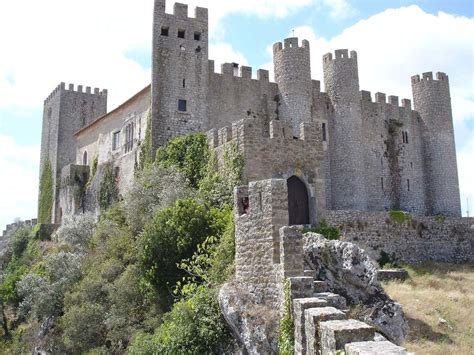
(417, 239)
(12, 227)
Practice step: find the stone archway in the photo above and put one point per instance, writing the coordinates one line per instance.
(298, 204)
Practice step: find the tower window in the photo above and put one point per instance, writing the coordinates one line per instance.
(197, 36)
(84, 158)
(129, 137)
(182, 105)
(116, 140)
(381, 182)
(184, 83)
(324, 132)
(165, 31)
(181, 33)
(405, 136)
(408, 184)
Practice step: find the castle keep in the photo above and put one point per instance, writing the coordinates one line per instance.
(338, 147)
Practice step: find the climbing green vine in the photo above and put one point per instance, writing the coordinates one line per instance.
(108, 193)
(286, 331)
(45, 203)
(146, 150)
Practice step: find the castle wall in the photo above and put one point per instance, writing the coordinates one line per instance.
(278, 155)
(419, 239)
(233, 96)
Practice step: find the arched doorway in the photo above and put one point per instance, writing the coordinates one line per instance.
(298, 206)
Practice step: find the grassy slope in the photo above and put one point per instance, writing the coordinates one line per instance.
(435, 292)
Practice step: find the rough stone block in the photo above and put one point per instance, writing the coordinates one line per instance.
(389, 275)
(335, 334)
(300, 305)
(333, 299)
(320, 286)
(374, 348)
(313, 316)
(301, 287)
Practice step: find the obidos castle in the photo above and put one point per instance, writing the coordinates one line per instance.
(338, 147)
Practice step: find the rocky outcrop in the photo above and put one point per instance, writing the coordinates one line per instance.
(253, 325)
(350, 272)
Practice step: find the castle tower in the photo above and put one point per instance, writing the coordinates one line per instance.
(293, 76)
(65, 112)
(433, 102)
(179, 72)
(341, 79)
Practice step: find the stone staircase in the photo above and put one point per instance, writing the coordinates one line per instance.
(322, 327)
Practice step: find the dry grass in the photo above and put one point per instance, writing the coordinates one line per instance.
(435, 292)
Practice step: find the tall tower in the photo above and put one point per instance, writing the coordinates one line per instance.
(341, 79)
(179, 72)
(293, 76)
(65, 112)
(433, 102)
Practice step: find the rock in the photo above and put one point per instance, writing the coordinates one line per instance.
(392, 274)
(254, 326)
(444, 323)
(349, 271)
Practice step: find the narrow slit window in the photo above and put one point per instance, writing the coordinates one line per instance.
(197, 36)
(182, 105)
(184, 83)
(408, 184)
(324, 131)
(406, 137)
(181, 33)
(165, 31)
(381, 183)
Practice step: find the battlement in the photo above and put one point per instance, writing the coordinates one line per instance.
(381, 98)
(244, 72)
(249, 128)
(290, 43)
(16, 225)
(80, 89)
(428, 77)
(181, 10)
(339, 54)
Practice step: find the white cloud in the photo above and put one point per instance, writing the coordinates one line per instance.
(19, 180)
(224, 53)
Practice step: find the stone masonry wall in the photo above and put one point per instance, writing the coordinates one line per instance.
(418, 239)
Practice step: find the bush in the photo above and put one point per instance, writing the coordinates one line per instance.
(76, 230)
(153, 188)
(172, 236)
(19, 241)
(328, 231)
(399, 216)
(286, 331)
(108, 192)
(193, 326)
(189, 154)
(45, 203)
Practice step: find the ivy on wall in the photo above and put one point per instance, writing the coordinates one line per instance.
(108, 193)
(45, 203)
(146, 150)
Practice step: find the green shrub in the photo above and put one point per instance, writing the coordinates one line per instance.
(399, 217)
(172, 236)
(19, 241)
(328, 231)
(189, 154)
(108, 193)
(388, 261)
(286, 331)
(45, 203)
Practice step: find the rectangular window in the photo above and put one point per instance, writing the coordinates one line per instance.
(381, 182)
(406, 137)
(182, 105)
(324, 132)
(181, 33)
(165, 31)
(197, 36)
(129, 137)
(116, 140)
(408, 184)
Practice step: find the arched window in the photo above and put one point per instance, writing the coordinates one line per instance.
(84, 158)
(298, 204)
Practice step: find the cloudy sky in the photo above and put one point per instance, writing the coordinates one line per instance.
(107, 44)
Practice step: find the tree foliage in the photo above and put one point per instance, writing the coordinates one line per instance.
(45, 203)
(108, 193)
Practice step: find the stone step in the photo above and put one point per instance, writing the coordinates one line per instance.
(335, 334)
(309, 273)
(319, 286)
(313, 317)
(333, 299)
(301, 286)
(374, 348)
(300, 305)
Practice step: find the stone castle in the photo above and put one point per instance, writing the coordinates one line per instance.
(309, 155)
(348, 151)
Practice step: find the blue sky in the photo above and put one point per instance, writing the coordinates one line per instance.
(107, 44)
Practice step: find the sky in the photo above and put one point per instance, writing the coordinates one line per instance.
(107, 44)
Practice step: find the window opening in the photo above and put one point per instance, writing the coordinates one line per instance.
(408, 184)
(181, 33)
(197, 36)
(84, 158)
(129, 131)
(182, 105)
(165, 31)
(116, 140)
(381, 182)
(324, 131)
(184, 83)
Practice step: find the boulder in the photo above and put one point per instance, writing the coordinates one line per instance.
(254, 326)
(349, 271)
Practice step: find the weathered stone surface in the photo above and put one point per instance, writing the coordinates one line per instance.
(349, 271)
(300, 305)
(313, 317)
(319, 286)
(254, 326)
(332, 299)
(374, 348)
(335, 334)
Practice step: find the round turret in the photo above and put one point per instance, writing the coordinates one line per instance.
(341, 81)
(293, 76)
(433, 102)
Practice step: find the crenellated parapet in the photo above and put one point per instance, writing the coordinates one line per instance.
(12, 227)
(236, 71)
(381, 98)
(75, 89)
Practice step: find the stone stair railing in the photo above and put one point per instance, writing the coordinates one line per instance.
(322, 327)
